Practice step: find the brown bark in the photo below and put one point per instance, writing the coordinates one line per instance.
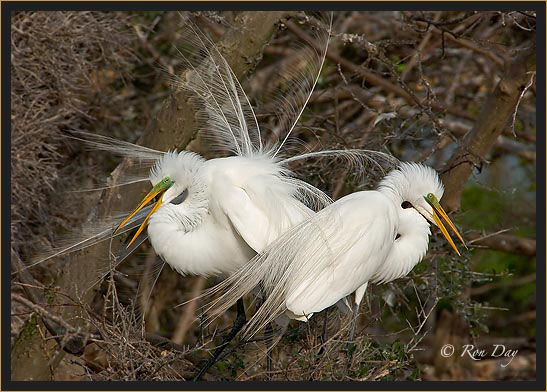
(188, 315)
(175, 128)
(504, 243)
(490, 123)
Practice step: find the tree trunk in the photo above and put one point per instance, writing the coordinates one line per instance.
(490, 123)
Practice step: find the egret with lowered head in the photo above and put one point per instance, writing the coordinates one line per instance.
(210, 217)
(370, 236)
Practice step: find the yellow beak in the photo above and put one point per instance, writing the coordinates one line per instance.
(438, 213)
(159, 188)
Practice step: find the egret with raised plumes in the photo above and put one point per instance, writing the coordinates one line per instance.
(210, 217)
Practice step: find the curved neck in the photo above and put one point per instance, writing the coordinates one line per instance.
(189, 213)
(193, 211)
(408, 249)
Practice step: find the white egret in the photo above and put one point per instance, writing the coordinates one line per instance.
(210, 217)
(365, 237)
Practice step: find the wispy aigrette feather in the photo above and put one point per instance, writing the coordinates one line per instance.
(227, 120)
(293, 102)
(91, 234)
(354, 159)
(229, 125)
(117, 147)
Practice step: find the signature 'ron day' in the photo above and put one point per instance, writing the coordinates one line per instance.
(476, 354)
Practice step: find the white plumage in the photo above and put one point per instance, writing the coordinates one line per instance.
(371, 236)
(216, 214)
(233, 208)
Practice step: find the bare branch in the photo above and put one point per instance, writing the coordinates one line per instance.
(490, 123)
(506, 283)
(504, 243)
(175, 128)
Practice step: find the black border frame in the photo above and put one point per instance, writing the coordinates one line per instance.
(7, 384)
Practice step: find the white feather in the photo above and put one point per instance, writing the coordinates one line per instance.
(118, 147)
(338, 251)
(90, 234)
(296, 99)
(227, 118)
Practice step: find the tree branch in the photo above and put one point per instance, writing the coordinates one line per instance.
(175, 128)
(374, 78)
(490, 123)
(504, 243)
(506, 283)
(462, 41)
(502, 144)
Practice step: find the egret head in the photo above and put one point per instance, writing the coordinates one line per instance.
(175, 178)
(419, 186)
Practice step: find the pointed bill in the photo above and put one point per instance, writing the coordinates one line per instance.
(445, 232)
(159, 188)
(438, 213)
(143, 225)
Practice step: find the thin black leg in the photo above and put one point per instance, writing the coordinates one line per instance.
(353, 322)
(269, 340)
(238, 324)
(324, 335)
(351, 345)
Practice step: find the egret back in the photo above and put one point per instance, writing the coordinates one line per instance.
(259, 198)
(317, 262)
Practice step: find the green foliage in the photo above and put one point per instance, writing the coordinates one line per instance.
(483, 209)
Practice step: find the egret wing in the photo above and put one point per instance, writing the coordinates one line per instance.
(260, 213)
(338, 254)
(250, 222)
(317, 262)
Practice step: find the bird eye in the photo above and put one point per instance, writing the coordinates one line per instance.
(406, 204)
(430, 196)
(180, 198)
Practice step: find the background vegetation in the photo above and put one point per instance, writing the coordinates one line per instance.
(412, 83)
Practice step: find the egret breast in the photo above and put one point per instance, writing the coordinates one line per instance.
(209, 250)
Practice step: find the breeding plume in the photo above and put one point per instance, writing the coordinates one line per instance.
(210, 217)
(366, 237)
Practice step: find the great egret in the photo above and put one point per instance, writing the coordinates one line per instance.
(212, 216)
(370, 236)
